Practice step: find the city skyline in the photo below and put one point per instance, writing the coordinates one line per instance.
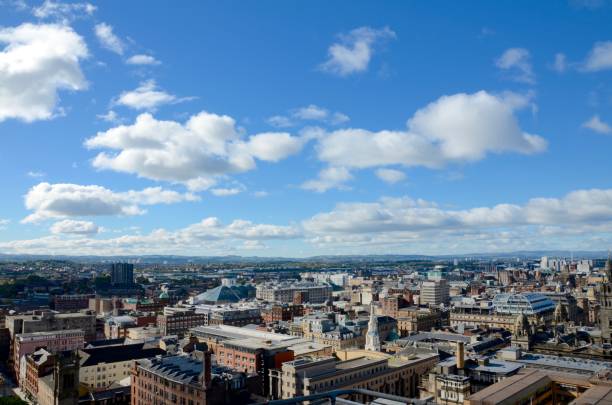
(268, 129)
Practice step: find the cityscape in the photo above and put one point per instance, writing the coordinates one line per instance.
(284, 202)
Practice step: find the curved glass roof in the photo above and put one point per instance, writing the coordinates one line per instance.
(527, 303)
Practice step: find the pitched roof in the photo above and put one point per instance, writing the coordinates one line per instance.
(114, 354)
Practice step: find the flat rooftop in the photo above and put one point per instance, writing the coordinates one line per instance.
(235, 332)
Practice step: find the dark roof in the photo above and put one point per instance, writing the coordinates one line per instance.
(106, 342)
(110, 393)
(114, 354)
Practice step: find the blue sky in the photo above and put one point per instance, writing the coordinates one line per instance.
(277, 129)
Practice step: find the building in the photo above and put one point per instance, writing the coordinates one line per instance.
(454, 379)
(294, 292)
(44, 321)
(103, 366)
(71, 303)
(183, 380)
(415, 319)
(122, 274)
(523, 303)
(37, 365)
(254, 357)
(434, 292)
(281, 312)
(61, 387)
(396, 375)
(180, 321)
(538, 387)
(26, 343)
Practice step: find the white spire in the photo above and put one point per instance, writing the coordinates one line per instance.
(372, 338)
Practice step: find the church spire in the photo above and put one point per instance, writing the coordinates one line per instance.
(373, 338)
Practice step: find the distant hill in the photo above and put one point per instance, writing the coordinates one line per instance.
(175, 259)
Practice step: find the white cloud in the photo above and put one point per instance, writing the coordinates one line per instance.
(37, 62)
(600, 57)
(111, 116)
(195, 153)
(280, 121)
(207, 237)
(147, 96)
(424, 225)
(560, 63)
(74, 227)
(274, 146)
(4, 223)
(352, 54)
(63, 12)
(329, 178)
(518, 62)
(458, 128)
(36, 174)
(108, 39)
(142, 59)
(261, 194)
(226, 192)
(73, 200)
(310, 112)
(390, 176)
(597, 125)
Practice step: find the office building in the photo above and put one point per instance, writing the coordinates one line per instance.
(122, 274)
(434, 293)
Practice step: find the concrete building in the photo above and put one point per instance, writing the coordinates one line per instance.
(434, 292)
(395, 375)
(179, 322)
(44, 321)
(538, 387)
(294, 292)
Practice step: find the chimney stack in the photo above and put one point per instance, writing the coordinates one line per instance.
(460, 355)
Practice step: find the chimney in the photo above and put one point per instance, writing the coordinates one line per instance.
(460, 356)
(206, 368)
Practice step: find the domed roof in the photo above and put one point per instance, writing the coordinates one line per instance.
(164, 296)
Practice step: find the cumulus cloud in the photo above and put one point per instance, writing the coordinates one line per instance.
(280, 121)
(206, 237)
(142, 59)
(517, 61)
(147, 96)
(600, 57)
(37, 62)
(73, 200)
(457, 128)
(597, 125)
(390, 176)
(63, 12)
(405, 220)
(353, 52)
(74, 227)
(108, 39)
(329, 178)
(195, 153)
